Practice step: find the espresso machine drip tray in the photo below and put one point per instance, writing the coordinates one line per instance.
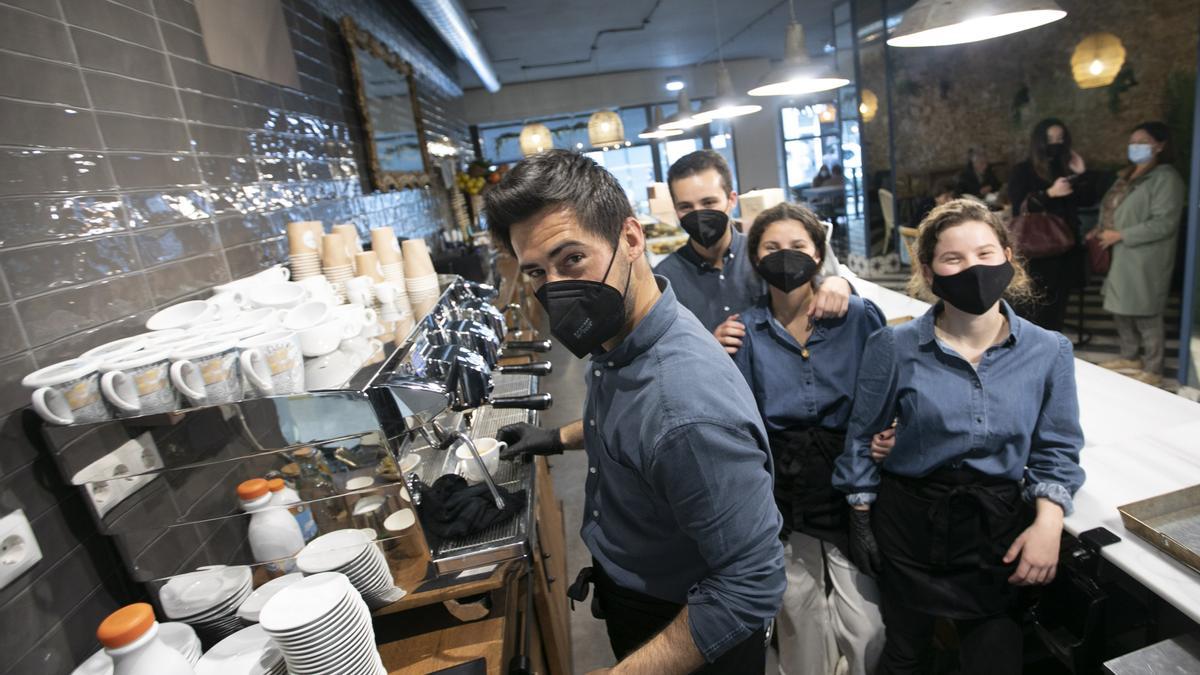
(507, 540)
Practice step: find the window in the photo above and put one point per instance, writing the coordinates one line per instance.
(810, 141)
(634, 168)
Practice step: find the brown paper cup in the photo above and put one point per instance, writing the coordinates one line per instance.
(333, 251)
(368, 265)
(417, 262)
(350, 233)
(383, 242)
(302, 238)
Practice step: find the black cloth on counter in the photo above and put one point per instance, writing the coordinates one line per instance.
(804, 489)
(452, 508)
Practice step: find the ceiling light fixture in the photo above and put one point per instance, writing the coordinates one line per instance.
(654, 130)
(535, 138)
(726, 104)
(932, 23)
(1097, 60)
(674, 84)
(605, 129)
(797, 74)
(683, 118)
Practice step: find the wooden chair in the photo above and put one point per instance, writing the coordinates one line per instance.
(908, 245)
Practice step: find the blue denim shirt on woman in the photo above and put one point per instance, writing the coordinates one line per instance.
(1015, 415)
(679, 500)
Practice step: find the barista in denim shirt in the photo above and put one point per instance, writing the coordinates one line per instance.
(712, 274)
(988, 430)
(679, 517)
(802, 374)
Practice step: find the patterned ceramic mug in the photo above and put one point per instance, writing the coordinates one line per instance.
(272, 362)
(68, 392)
(140, 383)
(206, 370)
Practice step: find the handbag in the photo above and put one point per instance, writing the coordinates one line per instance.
(1041, 235)
(1099, 258)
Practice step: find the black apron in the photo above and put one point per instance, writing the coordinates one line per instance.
(804, 489)
(942, 540)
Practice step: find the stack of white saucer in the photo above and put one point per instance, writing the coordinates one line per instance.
(177, 636)
(322, 626)
(250, 651)
(354, 554)
(208, 600)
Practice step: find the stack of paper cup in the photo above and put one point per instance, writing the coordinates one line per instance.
(350, 239)
(387, 247)
(368, 265)
(336, 264)
(420, 278)
(305, 249)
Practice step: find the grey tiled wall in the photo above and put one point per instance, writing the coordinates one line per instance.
(133, 174)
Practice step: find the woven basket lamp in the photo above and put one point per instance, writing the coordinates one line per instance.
(1097, 60)
(605, 129)
(869, 105)
(535, 138)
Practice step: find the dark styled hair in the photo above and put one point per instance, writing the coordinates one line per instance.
(785, 211)
(948, 215)
(1039, 152)
(1161, 133)
(553, 180)
(700, 160)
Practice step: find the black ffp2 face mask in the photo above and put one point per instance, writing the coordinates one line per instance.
(585, 314)
(787, 269)
(975, 289)
(705, 226)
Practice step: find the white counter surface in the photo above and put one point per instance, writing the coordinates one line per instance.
(1139, 442)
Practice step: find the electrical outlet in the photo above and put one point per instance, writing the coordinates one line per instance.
(122, 467)
(19, 549)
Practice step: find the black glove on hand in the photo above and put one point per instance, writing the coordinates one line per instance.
(864, 552)
(526, 439)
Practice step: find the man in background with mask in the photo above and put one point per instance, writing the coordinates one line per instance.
(712, 274)
(679, 514)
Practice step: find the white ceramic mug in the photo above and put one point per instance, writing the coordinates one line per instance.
(307, 315)
(206, 370)
(229, 304)
(184, 315)
(357, 315)
(68, 392)
(116, 348)
(319, 288)
(359, 291)
(272, 362)
(489, 450)
(140, 383)
(276, 273)
(324, 338)
(277, 294)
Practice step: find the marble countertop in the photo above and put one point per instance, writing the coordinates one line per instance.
(1140, 441)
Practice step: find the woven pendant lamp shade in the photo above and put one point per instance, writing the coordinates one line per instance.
(1097, 60)
(869, 105)
(535, 138)
(605, 129)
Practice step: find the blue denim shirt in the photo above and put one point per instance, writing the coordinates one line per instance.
(1016, 415)
(811, 385)
(713, 294)
(679, 500)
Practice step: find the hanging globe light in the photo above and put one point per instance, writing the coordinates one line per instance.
(1097, 60)
(654, 130)
(869, 105)
(535, 138)
(605, 129)
(931, 23)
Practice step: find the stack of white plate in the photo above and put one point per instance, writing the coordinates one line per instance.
(305, 265)
(322, 626)
(208, 600)
(249, 610)
(422, 294)
(354, 554)
(177, 636)
(249, 651)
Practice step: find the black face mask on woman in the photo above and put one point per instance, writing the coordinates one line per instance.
(975, 289)
(787, 269)
(585, 314)
(706, 226)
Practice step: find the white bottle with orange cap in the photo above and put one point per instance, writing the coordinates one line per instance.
(130, 636)
(282, 495)
(274, 534)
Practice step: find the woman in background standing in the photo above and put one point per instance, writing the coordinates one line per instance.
(1052, 180)
(1139, 221)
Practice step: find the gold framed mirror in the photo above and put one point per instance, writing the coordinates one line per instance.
(391, 114)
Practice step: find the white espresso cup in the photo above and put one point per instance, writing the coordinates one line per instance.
(206, 370)
(307, 315)
(68, 392)
(319, 288)
(273, 363)
(140, 383)
(184, 315)
(277, 294)
(229, 304)
(325, 337)
(358, 316)
(489, 451)
(360, 290)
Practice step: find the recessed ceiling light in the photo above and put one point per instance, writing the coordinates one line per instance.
(674, 83)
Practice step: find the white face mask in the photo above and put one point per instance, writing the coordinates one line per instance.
(1141, 153)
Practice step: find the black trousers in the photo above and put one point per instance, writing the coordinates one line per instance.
(633, 618)
(990, 646)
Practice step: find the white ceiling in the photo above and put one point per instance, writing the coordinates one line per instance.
(523, 37)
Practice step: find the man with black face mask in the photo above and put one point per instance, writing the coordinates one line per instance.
(679, 515)
(712, 274)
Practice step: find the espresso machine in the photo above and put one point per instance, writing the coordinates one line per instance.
(163, 486)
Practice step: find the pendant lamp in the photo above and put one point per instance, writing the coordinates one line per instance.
(535, 138)
(931, 23)
(605, 129)
(1097, 60)
(869, 105)
(797, 74)
(683, 117)
(726, 104)
(654, 130)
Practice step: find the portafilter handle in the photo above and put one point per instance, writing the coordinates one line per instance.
(537, 369)
(539, 346)
(541, 401)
